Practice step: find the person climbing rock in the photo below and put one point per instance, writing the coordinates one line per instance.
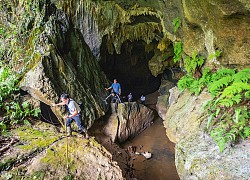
(73, 114)
(116, 87)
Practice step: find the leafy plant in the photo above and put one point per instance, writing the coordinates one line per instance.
(177, 51)
(13, 110)
(215, 55)
(176, 23)
(193, 64)
(229, 109)
(19, 33)
(195, 85)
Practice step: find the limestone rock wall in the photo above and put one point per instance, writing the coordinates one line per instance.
(67, 65)
(218, 25)
(197, 156)
(184, 115)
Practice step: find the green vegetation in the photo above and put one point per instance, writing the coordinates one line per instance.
(19, 34)
(229, 109)
(193, 64)
(13, 110)
(177, 51)
(176, 23)
(33, 138)
(216, 54)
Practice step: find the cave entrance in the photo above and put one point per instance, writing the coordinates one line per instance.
(130, 68)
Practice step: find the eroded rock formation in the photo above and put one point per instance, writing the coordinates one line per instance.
(67, 65)
(197, 155)
(129, 120)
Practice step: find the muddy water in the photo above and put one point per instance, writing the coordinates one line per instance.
(162, 164)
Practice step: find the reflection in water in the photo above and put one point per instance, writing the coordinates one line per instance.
(162, 164)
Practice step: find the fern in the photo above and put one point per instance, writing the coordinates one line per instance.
(210, 119)
(235, 88)
(185, 82)
(229, 110)
(247, 94)
(242, 76)
(176, 23)
(191, 64)
(215, 87)
(246, 132)
(226, 103)
(222, 73)
(218, 134)
(177, 51)
(216, 54)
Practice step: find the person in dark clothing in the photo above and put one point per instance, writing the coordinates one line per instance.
(73, 115)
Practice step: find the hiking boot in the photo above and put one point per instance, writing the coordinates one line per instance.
(86, 135)
(69, 133)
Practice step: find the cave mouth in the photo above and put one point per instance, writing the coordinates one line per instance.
(130, 68)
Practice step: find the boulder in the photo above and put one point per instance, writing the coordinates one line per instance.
(42, 152)
(129, 121)
(184, 115)
(198, 157)
(66, 65)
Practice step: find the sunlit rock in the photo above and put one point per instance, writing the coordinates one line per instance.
(198, 157)
(185, 114)
(43, 152)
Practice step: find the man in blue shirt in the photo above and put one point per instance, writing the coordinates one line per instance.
(116, 87)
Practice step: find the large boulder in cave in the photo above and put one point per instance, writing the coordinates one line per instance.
(129, 120)
(197, 156)
(67, 65)
(184, 115)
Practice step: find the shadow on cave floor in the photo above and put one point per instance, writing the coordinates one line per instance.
(120, 155)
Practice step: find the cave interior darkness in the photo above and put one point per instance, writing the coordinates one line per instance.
(130, 68)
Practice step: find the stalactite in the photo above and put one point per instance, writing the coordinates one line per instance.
(112, 20)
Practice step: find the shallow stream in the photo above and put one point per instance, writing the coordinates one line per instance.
(161, 166)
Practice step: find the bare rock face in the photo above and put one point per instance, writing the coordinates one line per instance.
(212, 25)
(163, 98)
(129, 121)
(198, 157)
(185, 114)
